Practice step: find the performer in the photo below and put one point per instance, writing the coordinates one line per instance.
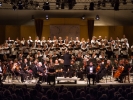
(67, 62)
(51, 75)
(91, 72)
(40, 72)
(101, 72)
(126, 70)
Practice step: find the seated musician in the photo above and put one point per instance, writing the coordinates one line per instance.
(126, 70)
(101, 72)
(58, 68)
(91, 72)
(24, 70)
(51, 75)
(40, 72)
(109, 68)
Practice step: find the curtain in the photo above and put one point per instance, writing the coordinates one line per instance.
(90, 28)
(39, 27)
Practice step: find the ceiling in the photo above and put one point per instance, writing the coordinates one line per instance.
(108, 16)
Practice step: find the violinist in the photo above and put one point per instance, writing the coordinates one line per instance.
(109, 68)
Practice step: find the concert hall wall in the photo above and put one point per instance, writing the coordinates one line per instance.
(29, 30)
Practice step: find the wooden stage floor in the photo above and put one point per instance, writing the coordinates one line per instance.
(68, 83)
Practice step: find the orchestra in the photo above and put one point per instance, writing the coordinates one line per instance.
(69, 57)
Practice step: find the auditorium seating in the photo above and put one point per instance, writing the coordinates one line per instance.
(38, 92)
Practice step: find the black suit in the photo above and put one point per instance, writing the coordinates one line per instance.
(91, 73)
(67, 63)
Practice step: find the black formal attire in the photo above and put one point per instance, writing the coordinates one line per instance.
(79, 67)
(51, 75)
(91, 73)
(40, 73)
(124, 72)
(100, 73)
(36, 71)
(23, 71)
(67, 63)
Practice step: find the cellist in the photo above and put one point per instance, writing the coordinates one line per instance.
(126, 70)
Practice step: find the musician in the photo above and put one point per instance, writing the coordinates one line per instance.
(24, 70)
(109, 68)
(101, 72)
(91, 72)
(58, 68)
(40, 72)
(126, 70)
(23, 41)
(67, 62)
(131, 49)
(37, 41)
(29, 41)
(51, 75)
(79, 65)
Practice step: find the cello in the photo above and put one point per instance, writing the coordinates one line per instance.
(118, 71)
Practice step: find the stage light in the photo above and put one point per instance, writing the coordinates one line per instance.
(91, 6)
(83, 17)
(47, 17)
(97, 17)
(0, 3)
(14, 7)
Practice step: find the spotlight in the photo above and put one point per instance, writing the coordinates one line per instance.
(47, 17)
(91, 6)
(14, 7)
(97, 17)
(0, 3)
(83, 17)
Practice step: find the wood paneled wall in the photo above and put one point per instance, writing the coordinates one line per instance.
(26, 31)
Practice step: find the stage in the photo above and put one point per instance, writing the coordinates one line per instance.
(68, 82)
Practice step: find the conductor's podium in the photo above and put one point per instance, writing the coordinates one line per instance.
(67, 79)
